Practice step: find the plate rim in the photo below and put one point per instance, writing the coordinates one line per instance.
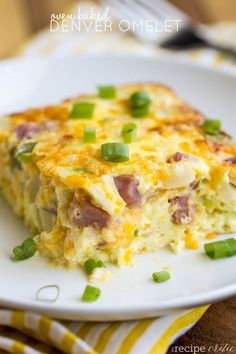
(135, 312)
(103, 314)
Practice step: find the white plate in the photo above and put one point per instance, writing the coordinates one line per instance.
(131, 293)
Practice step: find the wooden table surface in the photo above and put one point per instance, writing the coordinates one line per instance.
(216, 331)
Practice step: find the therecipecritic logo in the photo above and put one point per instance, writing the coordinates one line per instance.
(194, 349)
(102, 22)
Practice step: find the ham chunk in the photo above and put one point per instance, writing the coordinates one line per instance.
(184, 211)
(127, 188)
(83, 213)
(27, 131)
(194, 184)
(231, 160)
(181, 156)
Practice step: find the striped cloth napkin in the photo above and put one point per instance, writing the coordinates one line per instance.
(31, 333)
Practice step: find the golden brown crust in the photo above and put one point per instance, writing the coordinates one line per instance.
(170, 158)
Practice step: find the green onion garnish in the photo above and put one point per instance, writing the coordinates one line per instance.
(115, 152)
(91, 293)
(23, 154)
(43, 294)
(211, 126)
(106, 91)
(221, 249)
(26, 250)
(160, 277)
(79, 169)
(14, 162)
(28, 147)
(139, 99)
(140, 104)
(89, 135)
(129, 132)
(91, 264)
(82, 110)
(140, 112)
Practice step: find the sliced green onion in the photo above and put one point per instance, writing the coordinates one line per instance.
(129, 132)
(14, 162)
(136, 232)
(221, 249)
(139, 99)
(26, 250)
(24, 153)
(43, 294)
(26, 158)
(107, 91)
(91, 264)
(82, 110)
(140, 112)
(140, 104)
(80, 169)
(28, 147)
(89, 135)
(91, 293)
(211, 126)
(160, 277)
(115, 152)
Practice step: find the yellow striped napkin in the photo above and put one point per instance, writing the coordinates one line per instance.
(31, 333)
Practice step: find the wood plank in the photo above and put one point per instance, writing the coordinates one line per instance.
(15, 25)
(208, 11)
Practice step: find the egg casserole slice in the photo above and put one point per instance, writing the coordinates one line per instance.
(129, 170)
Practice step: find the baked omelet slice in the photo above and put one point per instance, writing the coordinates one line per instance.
(132, 169)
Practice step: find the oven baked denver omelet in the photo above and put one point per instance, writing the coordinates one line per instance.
(130, 170)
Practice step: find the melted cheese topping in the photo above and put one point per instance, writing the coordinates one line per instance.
(64, 164)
